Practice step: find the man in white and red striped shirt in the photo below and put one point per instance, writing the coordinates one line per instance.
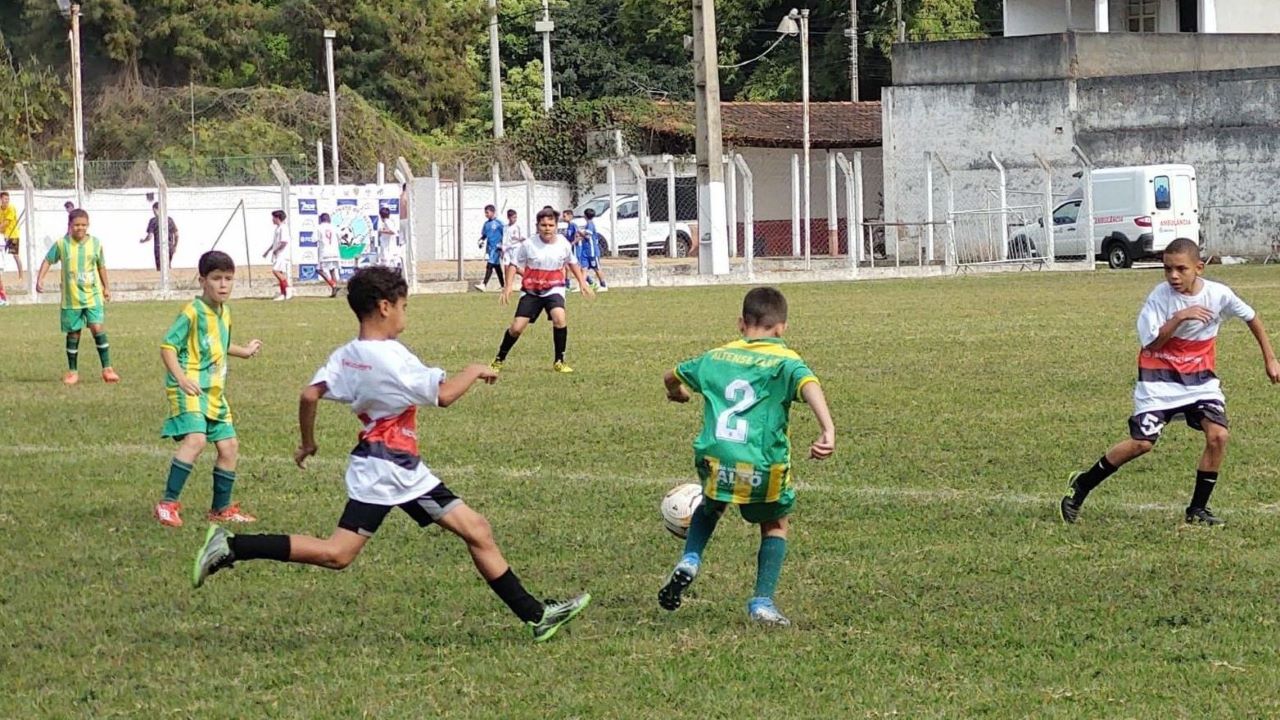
(541, 263)
(1178, 330)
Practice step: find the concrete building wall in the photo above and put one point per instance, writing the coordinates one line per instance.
(1248, 17)
(1226, 123)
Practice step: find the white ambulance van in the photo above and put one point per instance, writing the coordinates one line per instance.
(1137, 212)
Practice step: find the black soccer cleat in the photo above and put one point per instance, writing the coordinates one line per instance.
(1069, 509)
(1203, 516)
(669, 597)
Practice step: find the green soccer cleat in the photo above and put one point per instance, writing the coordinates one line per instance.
(214, 555)
(555, 614)
(561, 366)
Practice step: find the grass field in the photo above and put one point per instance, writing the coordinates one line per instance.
(928, 573)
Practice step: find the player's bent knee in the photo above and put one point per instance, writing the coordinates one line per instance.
(1142, 447)
(194, 442)
(1217, 436)
(229, 448)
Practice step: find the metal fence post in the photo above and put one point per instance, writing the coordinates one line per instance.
(928, 206)
(1086, 207)
(457, 231)
(1004, 207)
(1047, 218)
(949, 256)
(405, 175)
(833, 207)
(29, 202)
(283, 179)
(748, 215)
(731, 196)
(857, 204)
(526, 172)
(320, 162)
(642, 242)
(496, 172)
(853, 220)
(671, 205)
(795, 205)
(611, 173)
(162, 224)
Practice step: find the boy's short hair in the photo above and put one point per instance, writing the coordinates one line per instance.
(215, 260)
(764, 307)
(547, 212)
(371, 285)
(384, 211)
(278, 214)
(68, 206)
(1183, 246)
(77, 214)
(324, 217)
(589, 214)
(490, 208)
(4, 193)
(155, 206)
(511, 212)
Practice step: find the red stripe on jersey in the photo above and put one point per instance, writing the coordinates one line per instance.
(1184, 356)
(398, 432)
(538, 281)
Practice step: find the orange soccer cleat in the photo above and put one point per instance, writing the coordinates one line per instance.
(71, 378)
(231, 513)
(109, 375)
(166, 512)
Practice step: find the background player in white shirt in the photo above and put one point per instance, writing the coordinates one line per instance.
(390, 246)
(330, 254)
(385, 384)
(1177, 329)
(279, 252)
(541, 263)
(512, 236)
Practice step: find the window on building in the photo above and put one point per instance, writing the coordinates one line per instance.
(1144, 16)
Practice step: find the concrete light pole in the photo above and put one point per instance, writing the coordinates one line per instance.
(713, 246)
(72, 10)
(329, 35)
(545, 26)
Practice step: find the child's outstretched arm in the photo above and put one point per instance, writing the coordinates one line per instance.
(1264, 343)
(245, 351)
(457, 385)
(307, 403)
(676, 391)
(817, 401)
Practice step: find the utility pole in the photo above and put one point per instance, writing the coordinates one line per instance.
(804, 80)
(329, 35)
(495, 69)
(713, 248)
(545, 26)
(78, 109)
(852, 33)
(901, 24)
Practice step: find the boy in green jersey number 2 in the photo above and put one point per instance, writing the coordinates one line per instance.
(743, 454)
(195, 353)
(84, 289)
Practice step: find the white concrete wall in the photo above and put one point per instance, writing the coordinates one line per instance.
(771, 172)
(1248, 16)
(1038, 17)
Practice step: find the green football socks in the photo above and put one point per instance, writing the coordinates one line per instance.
(178, 474)
(773, 550)
(104, 349)
(73, 350)
(701, 526)
(222, 482)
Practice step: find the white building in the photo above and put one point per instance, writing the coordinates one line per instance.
(1037, 17)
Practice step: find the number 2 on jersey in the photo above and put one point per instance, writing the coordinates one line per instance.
(729, 427)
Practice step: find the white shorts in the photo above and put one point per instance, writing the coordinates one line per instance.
(330, 265)
(281, 264)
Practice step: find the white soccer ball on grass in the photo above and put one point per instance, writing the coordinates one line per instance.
(678, 506)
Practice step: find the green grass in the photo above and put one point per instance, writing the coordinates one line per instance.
(928, 575)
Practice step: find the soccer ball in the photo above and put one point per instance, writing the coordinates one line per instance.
(678, 506)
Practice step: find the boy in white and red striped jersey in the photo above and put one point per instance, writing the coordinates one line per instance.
(541, 263)
(1178, 329)
(384, 383)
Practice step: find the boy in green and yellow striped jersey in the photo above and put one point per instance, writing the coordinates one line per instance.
(84, 289)
(743, 454)
(195, 353)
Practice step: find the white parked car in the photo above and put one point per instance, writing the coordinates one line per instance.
(1137, 212)
(627, 230)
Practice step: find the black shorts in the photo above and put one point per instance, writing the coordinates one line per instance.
(531, 306)
(365, 518)
(1148, 425)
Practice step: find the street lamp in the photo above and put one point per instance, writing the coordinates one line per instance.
(329, 35)
(72, 10)
(797, 22)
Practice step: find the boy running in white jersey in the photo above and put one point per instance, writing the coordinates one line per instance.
(384, 384)
(330, 255)
(1178, 328)
(541, 263)
(512, 236)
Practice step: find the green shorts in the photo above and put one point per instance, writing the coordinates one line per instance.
(757, 513)
(180, 426)
(75, 319)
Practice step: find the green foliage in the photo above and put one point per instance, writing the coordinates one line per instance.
(33, 104)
